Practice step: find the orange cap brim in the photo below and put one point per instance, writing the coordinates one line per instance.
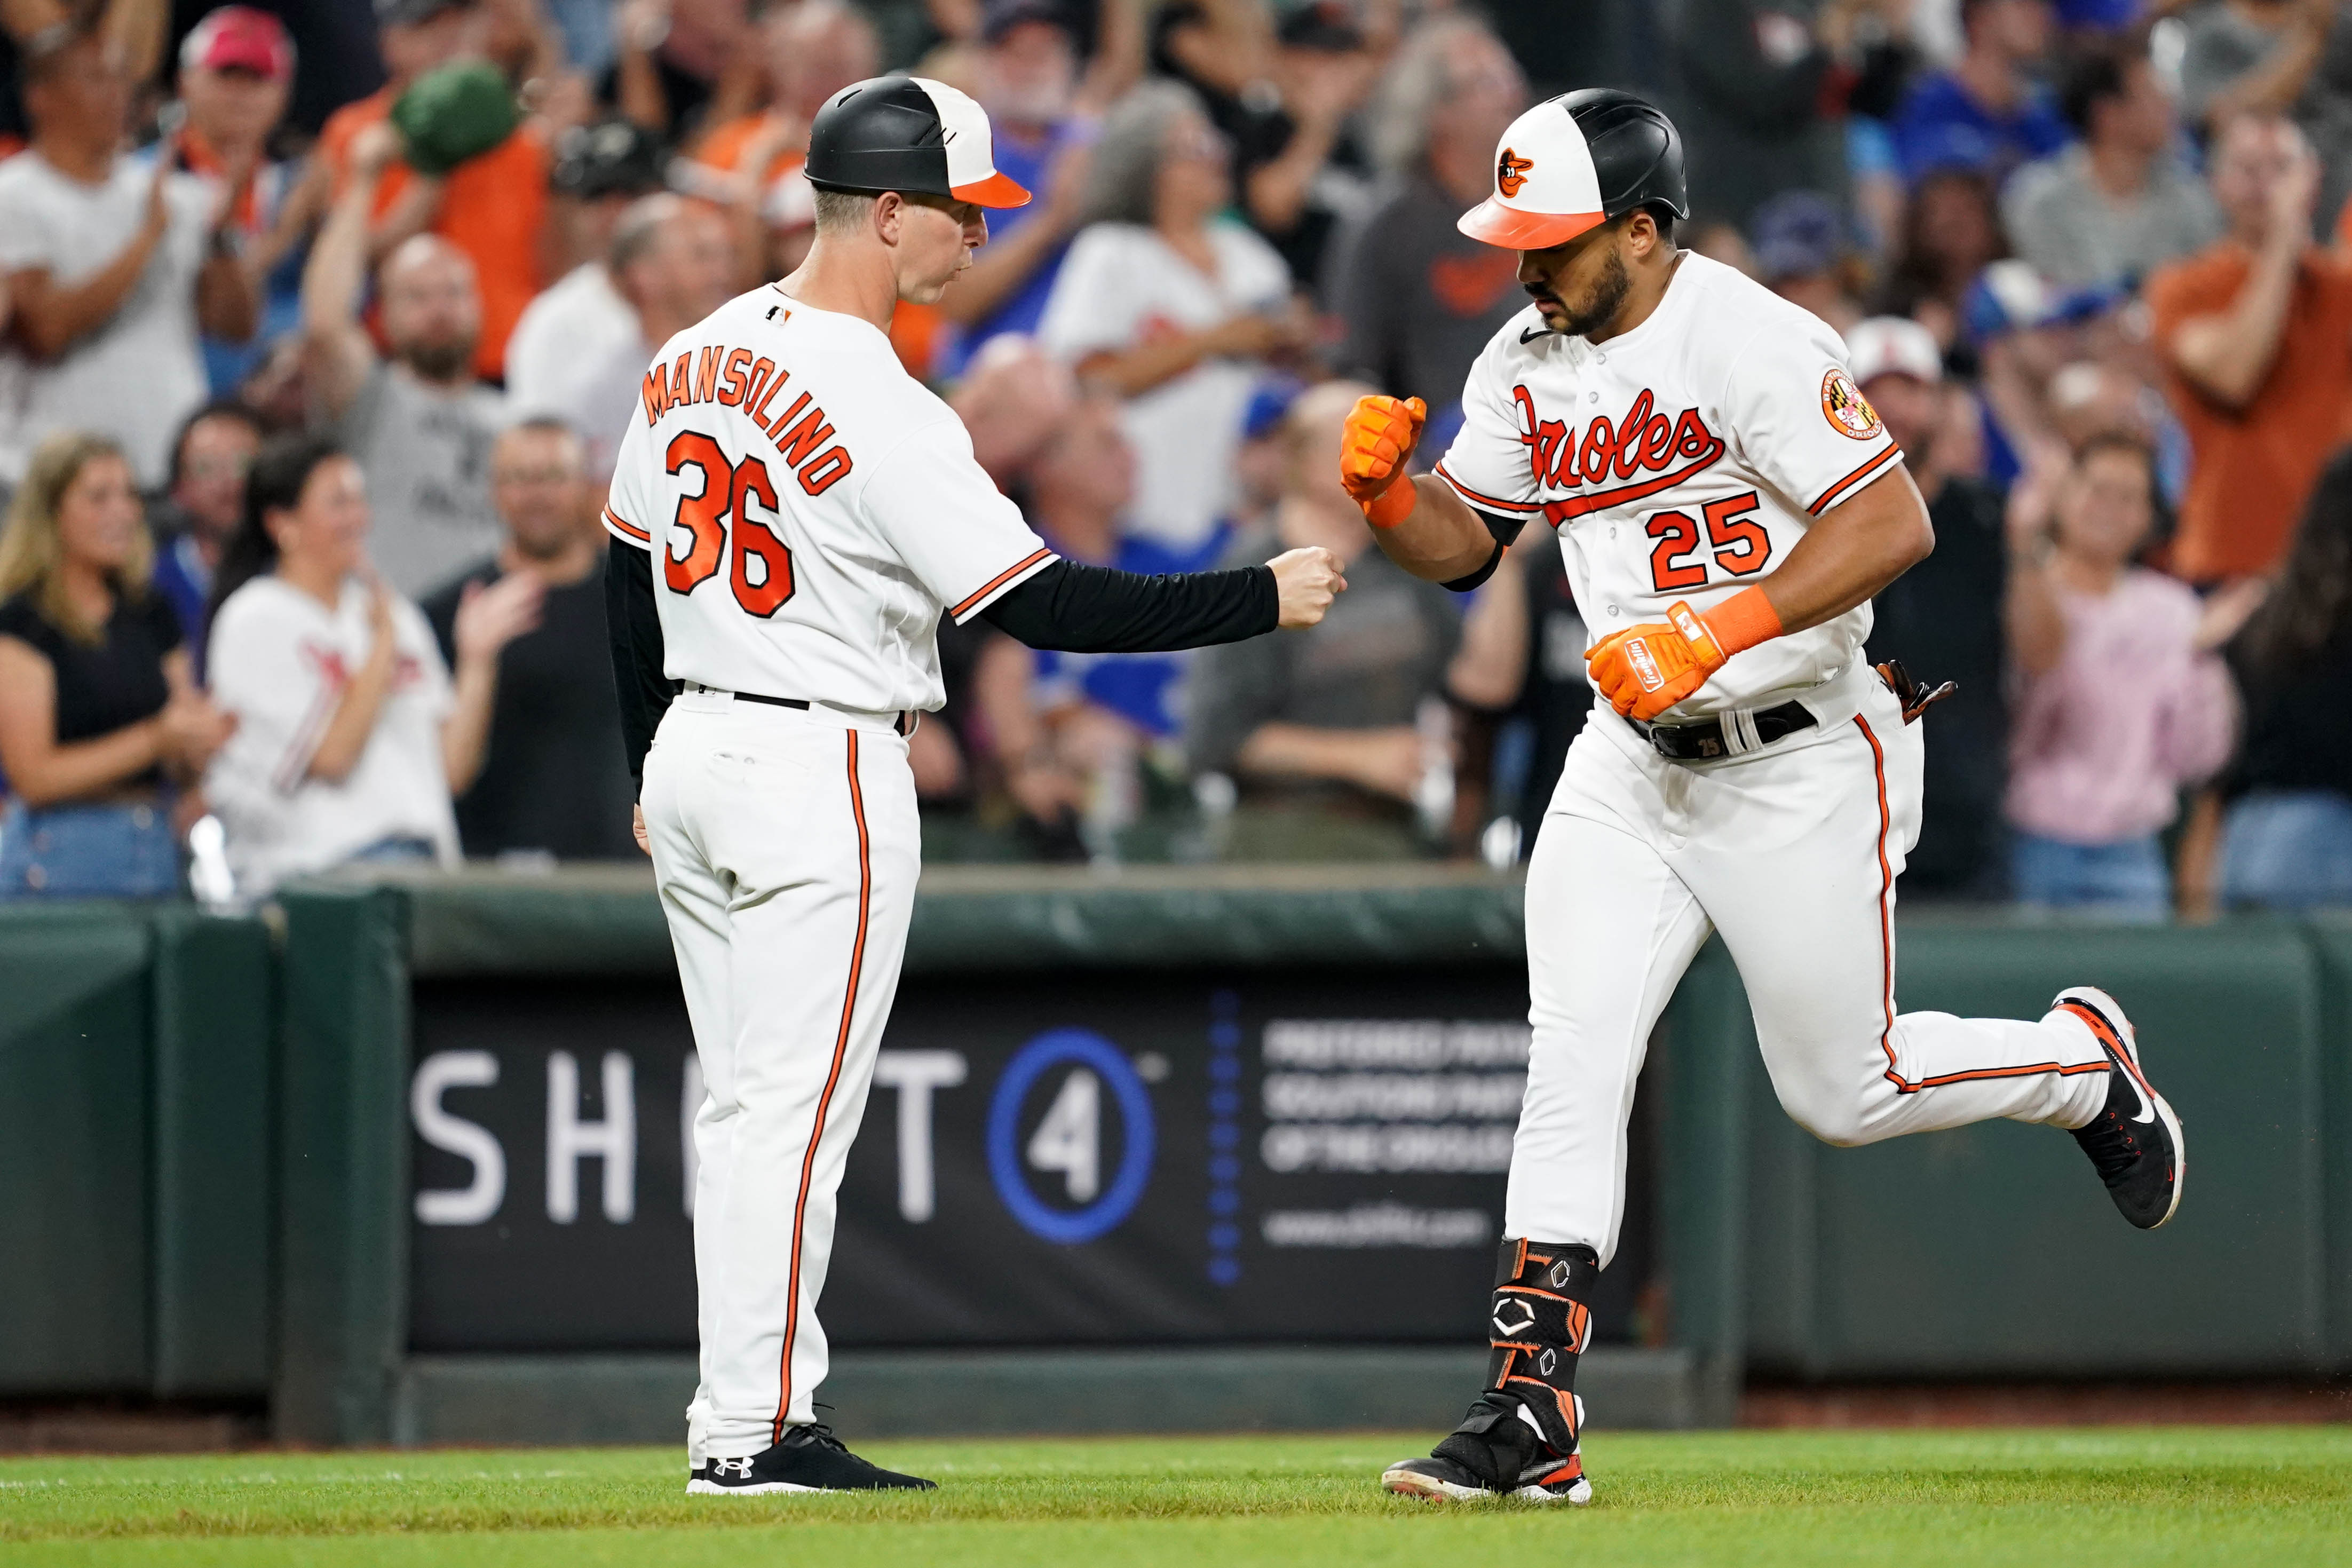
(996, 191)
(1492, 223)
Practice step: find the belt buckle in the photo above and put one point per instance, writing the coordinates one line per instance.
(1704, 746)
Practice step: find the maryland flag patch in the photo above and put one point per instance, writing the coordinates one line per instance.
(1846, 408)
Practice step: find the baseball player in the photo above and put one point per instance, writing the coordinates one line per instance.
(1727, 502)
(790, 515)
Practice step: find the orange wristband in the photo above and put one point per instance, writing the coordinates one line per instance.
(1743, 620)
(1393, 505)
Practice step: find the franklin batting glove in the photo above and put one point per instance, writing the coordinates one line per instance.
(1643, 670)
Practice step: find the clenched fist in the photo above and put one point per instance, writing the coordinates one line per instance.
(1643, 670)
(1306, 581)
(1379, 436)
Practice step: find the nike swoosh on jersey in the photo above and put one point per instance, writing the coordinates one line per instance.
(1532, 333)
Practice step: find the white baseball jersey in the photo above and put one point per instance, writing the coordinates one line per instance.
(813, 507)
(1681, 460)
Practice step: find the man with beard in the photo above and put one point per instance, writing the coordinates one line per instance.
(1728, 502)
(419, 425)
(1028, 69)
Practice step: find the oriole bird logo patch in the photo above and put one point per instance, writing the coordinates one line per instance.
(1511, 171)
(1846, 408)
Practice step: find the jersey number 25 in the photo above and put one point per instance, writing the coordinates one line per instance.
(726, 490)
(1741, 546)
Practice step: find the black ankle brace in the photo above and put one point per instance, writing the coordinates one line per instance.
(1540, 1324)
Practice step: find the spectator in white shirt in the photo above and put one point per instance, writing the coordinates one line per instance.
(1170, 305)
(600, 172)
(112, 270)
(352, 735)
(670, 263)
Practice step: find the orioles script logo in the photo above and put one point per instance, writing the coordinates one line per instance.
(1643, 440)
(1511, 171)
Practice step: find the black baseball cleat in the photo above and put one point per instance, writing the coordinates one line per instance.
(809, 1459)
(2135, 1141)
(1496, 1452)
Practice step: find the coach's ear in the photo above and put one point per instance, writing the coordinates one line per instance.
(889, 218)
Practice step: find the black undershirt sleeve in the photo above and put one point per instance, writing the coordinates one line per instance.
(634, 628)
(1505, 531)
(1478, 578)
(1070, 607)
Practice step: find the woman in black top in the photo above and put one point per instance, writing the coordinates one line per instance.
(99, 714)
(2287, 841)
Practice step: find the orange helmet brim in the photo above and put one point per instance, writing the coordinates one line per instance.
(996, 191)
(1492, 223)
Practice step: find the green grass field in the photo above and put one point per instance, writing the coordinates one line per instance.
(2274, 1495)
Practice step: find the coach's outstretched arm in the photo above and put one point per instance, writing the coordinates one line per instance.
(1071, 608)
(1066, 606)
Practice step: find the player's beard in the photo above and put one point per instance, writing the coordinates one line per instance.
(1601, 306)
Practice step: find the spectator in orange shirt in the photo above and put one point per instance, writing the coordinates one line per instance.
(491, 208)
(2257, 336)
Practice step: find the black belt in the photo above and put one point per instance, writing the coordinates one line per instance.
(905, 723)
(1704, 741)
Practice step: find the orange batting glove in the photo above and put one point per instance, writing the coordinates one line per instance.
(1643, 670)
(1379, 436)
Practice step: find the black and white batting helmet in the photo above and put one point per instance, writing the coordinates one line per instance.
(1572, 162)
(910, 134)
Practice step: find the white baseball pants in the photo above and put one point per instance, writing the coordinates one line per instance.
(786, 848)
(1791, 852)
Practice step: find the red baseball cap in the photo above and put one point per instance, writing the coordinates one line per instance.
(240, 37)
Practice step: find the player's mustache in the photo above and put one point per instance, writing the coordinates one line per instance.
(1540, 293)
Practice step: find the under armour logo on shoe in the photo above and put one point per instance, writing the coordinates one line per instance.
(731, 1468)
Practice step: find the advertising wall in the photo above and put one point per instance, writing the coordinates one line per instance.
(1122, 1157)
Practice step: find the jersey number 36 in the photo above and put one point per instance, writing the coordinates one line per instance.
(759, 567)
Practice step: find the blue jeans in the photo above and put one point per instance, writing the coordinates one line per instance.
(2125, 879)
(87, 852)
(2288, 849)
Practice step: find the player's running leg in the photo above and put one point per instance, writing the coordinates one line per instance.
(810, 829)
(1795, 855)
(1610, 932)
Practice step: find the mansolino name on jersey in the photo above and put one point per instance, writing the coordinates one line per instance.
(735, 378)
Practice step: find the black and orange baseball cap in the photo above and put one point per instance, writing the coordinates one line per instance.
(1575, 161)
(910, 134)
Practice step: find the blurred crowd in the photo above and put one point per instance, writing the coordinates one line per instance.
(322, 321)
